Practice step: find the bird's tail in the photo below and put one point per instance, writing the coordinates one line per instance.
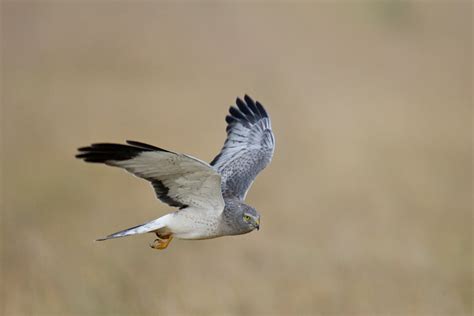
(140, 229)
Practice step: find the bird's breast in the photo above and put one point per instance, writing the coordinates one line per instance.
(194, 225)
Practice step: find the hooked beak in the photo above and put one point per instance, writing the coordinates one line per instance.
(257, 224)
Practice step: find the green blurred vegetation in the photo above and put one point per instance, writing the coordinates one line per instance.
(366, 208)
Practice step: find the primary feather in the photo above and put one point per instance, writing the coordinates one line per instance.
(248, 148)
(179, 180)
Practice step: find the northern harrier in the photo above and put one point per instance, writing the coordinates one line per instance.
(209, 196)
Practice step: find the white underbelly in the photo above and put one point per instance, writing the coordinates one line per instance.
(189, 224)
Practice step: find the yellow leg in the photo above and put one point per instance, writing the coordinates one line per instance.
(161, 243)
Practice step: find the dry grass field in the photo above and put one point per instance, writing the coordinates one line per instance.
(366, 207)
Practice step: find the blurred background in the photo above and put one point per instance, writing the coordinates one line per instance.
(366, 207)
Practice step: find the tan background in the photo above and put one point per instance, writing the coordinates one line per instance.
(366, 208)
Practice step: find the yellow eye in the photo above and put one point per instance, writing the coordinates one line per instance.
(246, 218)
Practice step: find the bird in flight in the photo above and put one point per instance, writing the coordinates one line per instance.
(209, 197)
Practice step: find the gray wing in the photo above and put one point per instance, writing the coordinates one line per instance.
(179, 180)
(248, 148)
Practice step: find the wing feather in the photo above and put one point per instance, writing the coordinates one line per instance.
(248, 148)
(179, 180)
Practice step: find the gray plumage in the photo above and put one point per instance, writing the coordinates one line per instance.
(209, 196)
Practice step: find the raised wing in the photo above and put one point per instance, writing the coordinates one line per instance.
(248, 148)
(179, 180)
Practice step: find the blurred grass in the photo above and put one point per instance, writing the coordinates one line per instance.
(366, 208)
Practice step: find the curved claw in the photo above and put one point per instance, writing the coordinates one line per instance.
(160, 243)
(152, 244)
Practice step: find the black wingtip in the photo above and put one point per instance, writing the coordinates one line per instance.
(105, 152)
(236, 113)
(145, 146)
(248, 99)
(261, 109)
(246, 111)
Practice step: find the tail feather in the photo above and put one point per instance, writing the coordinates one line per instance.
(139, 229)
(126, 232)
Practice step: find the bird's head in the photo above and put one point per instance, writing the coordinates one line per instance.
(249, 218)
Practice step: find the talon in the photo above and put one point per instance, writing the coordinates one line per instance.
(152, 245)
(161, 243)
